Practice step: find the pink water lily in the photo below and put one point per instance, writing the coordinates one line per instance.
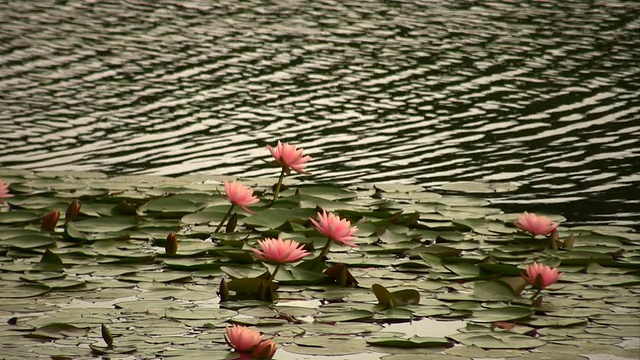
(537, 225)
(239, 194)
(336, 229)
(4, 191)
(289, 157)
(279, 251)
(242, 339)
(541, 276)
(265, 350)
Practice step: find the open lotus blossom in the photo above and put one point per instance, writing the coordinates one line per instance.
(289, 157)
(265, 350)
(336, 229)
(541, 276)
(279, 251)
(4, 191)
(239, 194)
(537, 225)
(242, 339)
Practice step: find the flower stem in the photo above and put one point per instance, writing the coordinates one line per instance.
(224, 218)
(325, 250)
(536, 294)
(277, 191)
(273, 276)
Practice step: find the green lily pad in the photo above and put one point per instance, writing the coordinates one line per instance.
(105, 224)
(23, 291)
(28, 241)
(352, 315)
(507, 313)
(493, 290)
(411, 343)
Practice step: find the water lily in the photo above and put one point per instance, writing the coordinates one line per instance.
(265, 350)
(279, 252)
(240, 195)
(242, 339)
(4, 191)
(72, 211)
(541, 276)
(171, 244)
(537, 225)
(50, 221)
(290, 158)
(335, 229)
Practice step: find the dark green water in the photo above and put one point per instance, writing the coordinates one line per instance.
(540, 93)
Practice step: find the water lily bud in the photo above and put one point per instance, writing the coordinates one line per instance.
(72, 211)
(171, 244)
(269, 294)
(341, 274)
(231, 224)
(265, 350)
(224, 291)
(106, 335)
(51, 220)
(568, 242)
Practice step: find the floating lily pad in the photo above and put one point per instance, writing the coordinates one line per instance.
(414, 342)
(106, 224)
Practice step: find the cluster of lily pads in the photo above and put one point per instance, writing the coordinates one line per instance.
(167, 264)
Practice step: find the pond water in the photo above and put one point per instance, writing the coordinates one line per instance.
(542, 94)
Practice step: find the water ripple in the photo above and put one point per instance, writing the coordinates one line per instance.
(423, 92)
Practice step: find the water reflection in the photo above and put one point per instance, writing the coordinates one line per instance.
(541, 93)
(426, 328)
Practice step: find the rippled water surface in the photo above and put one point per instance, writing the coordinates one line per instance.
(541, 93)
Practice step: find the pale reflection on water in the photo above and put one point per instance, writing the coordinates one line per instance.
(426, 327)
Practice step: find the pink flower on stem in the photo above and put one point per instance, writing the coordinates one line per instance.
(541, 276)
(537, 225)
(4, 191)
(242, 339)
(279, 251)
(237, 194)
(336, 229)
(240, 195)
(289, 157)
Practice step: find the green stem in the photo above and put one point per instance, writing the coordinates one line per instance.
(277, 191)
(273, 276)
(325, 250)
(536, 294)
(224, 218)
